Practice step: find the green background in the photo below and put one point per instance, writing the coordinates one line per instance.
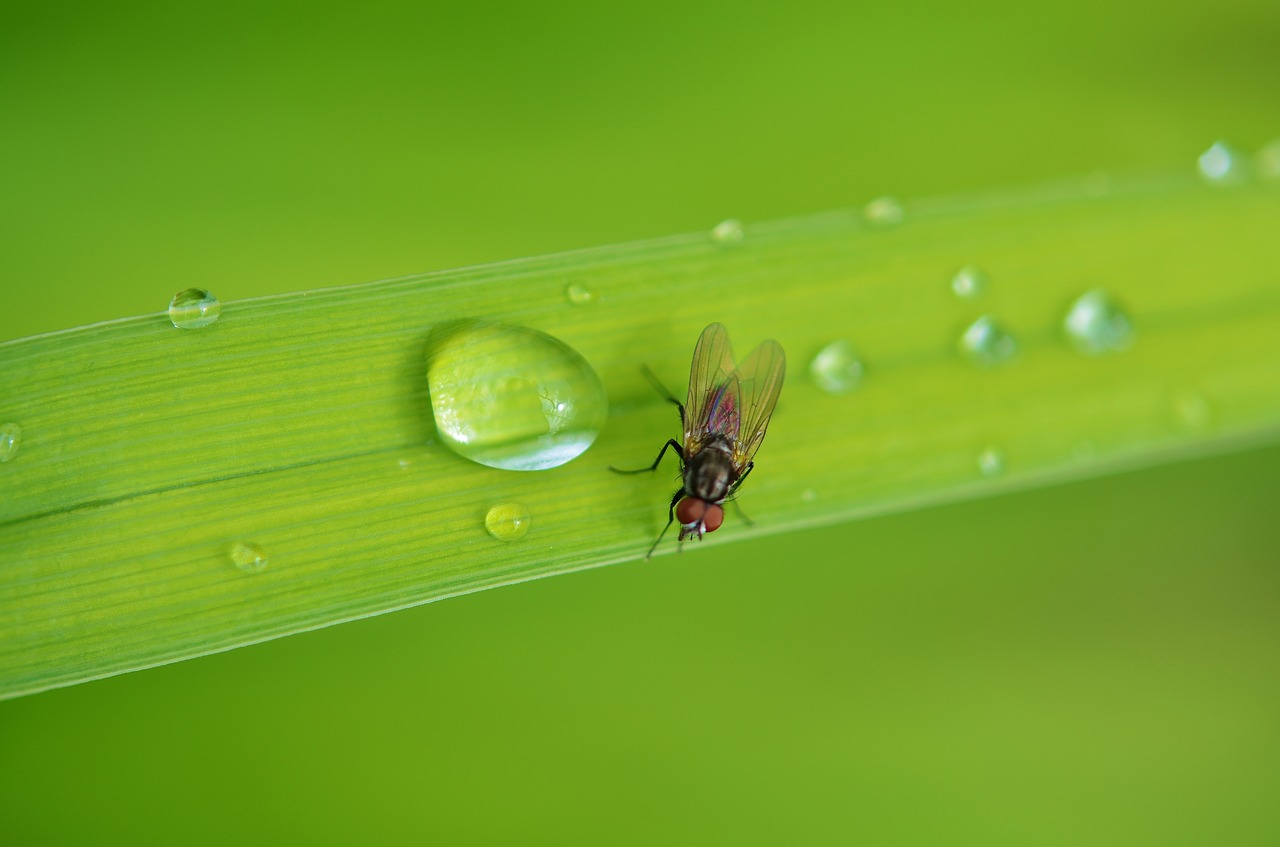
(1093, 663)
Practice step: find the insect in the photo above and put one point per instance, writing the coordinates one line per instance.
(724, 419)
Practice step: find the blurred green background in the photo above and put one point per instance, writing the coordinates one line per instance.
(1094, 663)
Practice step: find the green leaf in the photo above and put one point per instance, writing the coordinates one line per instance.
(295, 435)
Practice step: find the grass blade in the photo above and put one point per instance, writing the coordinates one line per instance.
(301, 424)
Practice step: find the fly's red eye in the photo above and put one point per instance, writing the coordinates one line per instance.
(713, 517)
(690, 510)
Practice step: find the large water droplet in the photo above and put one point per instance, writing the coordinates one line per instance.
(1095, 324)
(507, 522)
(10, 440)
(986, 344)
(512, 398)
(884, 211)
(1222, 165)
(969, 283)
(728, 232)
(193, 308)
(991, 461)
(1269, 160)
(836, 368)
(578, 294)
(249, 557)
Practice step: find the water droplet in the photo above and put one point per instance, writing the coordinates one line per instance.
(836, 369)
(1095, 324)
(1191, 410)
(507, 522)
(969, 283)
(511, 397)
(1269, 160)
(10, 440)
(991, 461)
(579, 295)
(884, 211)
(986, 344)
(193, 308)
(808, 495)
(249, 557)
(1098, 184)
(1221, 165)
(728, 232)
(1084, 450)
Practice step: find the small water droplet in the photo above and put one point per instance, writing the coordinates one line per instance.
(1098, 184)
(511, 397)
(1191, 410)
(249, 557)
(578, 294)
(193, 308)
(836, 368)
(728, 232)
(986, 344)
(1222, 165)
(991, 461)
(10, 440)
(1095, 324)
(507, 522)
(884, 211)
(808, 495)
(1269, 160)
(969, 283)
(1084, 450)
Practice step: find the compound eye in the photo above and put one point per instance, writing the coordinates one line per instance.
(713, 517)
(690, 510)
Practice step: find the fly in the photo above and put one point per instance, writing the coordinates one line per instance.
(724, 419)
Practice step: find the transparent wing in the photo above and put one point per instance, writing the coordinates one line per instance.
(759, 381)
(713, 397)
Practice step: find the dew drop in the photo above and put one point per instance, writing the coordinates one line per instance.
(249, 557)
(1269, 160)
(193, 308)
(511, 397)
(728, 232)
(10, 440)
(884, 211)
(1084, 450)
(1095, 324)
(1221, 165)
(1097, 184)
(1191, 410)
(507, 522)
(991, 462)
(986, 344)
(579, 295)
(836, 368)
(969, 283)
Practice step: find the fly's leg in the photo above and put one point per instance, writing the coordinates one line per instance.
(733, 490)
(737, 483)
(662, 389)
(671, 444)
(671, 517)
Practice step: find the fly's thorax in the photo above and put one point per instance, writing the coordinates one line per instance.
(710, 472)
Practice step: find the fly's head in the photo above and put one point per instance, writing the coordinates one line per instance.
(698, 517)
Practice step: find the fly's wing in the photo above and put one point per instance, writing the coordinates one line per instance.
(712, 405)
(759, 381)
